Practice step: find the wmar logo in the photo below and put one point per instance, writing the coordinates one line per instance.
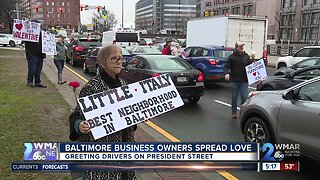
(40, 151)
(269, 156)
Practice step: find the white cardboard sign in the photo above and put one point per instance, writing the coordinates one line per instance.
(256, 71)
(26, 30)
(48, 43)
(113, 110)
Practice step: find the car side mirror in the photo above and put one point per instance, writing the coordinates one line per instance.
(289, 95)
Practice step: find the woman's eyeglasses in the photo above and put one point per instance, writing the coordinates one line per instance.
(115, 59)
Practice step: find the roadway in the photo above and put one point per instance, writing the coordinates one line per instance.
(210, 121)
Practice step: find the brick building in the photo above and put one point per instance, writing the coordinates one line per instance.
(53, 13)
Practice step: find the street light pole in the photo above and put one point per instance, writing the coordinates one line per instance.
(122, 14)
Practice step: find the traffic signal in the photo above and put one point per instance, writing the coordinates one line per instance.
(206, 13)
(212, 12)
(60, 10)
(98, 8)
(81, 7)
(37, 8)
(104, 8)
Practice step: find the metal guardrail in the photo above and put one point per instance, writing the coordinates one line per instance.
(284, 49)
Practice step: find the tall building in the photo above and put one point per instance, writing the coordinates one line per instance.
(157, 15)
(53, 13)
(268, 8)
(24, 7)
(300, 21)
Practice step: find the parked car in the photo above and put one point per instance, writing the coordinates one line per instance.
(7, 39)
(77, 53)
(304, 53)
(302, 64)
(209, 60)
(138, 50)
(287, 116)
(90, 61)
(188, 81)
(288, 80)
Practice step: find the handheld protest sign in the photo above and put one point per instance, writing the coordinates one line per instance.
(113, 110)
(256, 72)
(48, 43)
(26, 30)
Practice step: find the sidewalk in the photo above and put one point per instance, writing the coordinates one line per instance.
(144, 132)
(272, 60)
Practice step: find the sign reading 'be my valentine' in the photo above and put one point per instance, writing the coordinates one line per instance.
(26, 30)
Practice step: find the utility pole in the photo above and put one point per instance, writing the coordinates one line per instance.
(17, 9)
(122, 14)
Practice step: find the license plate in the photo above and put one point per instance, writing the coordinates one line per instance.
(182, 79)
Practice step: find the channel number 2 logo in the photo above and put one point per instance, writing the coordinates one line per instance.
(278, 155)
(36, 156)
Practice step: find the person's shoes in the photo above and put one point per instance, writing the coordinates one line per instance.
(234, 115)
(40, 85)
(30, 84)
(62, 82)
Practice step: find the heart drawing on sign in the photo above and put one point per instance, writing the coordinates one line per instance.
(254, 73)
(19, 26)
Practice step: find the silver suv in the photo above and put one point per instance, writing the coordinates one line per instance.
(288, 116)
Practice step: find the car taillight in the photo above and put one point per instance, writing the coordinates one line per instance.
(155, 74)
(213, 61)
(265, 54)
(78, 48)
(200, 77)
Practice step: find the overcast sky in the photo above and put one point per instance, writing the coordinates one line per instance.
(114, 6)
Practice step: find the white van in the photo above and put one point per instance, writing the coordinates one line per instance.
(121, 38)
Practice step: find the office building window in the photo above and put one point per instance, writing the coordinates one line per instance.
(62, 3)
(52, 3)
(225, 10)
(291, 20)
(307, 2)
(48, 15)
(48, 3)
(305, 19)
(289, 3)
(58, 15)
(315, 18)
(316, 1)
(235, 10)
(247, 9)
(58, 3)
(314, 33)
(68, 4)
(304, 34)
(284, 20)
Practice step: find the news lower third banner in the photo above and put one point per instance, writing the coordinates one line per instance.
(142, 151)
(144, 166)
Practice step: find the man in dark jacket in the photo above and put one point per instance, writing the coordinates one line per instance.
(235, 72)
(35, 58)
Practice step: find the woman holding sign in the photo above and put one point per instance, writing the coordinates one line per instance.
(60, 58)
(110, 64)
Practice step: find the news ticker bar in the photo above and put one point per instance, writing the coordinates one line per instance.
(142, 151)
(281, 166)
(145, 167)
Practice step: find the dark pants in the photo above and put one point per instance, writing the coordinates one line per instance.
(35, 67)
(59, 64)
(237, 88)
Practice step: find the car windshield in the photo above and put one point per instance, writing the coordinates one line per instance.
(125, 52)
(306, 63)
(150, 50)
(223, 53)
(169, 63)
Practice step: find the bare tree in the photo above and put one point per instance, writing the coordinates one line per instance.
(104, 24)
(7, 13)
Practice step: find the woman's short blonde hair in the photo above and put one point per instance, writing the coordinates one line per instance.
(106, 52)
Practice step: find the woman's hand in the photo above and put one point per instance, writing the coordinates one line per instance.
(84, 127)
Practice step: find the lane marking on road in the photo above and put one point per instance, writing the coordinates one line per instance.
(166, 134)
(223, 103)
(77, 74)
(252, 88)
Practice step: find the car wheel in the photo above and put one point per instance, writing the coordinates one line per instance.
(73, 64)
(12, 43)
(282, 65)
(85, 69)
(193, 99)
(267, 88)
(256, 130)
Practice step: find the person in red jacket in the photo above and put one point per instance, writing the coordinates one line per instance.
(167, 48)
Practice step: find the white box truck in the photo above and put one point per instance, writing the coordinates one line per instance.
(227, 30)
